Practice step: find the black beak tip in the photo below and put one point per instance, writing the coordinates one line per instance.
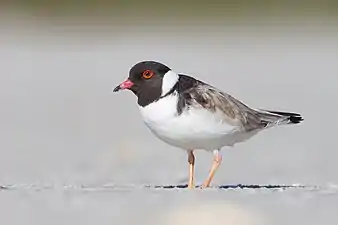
(117, 89)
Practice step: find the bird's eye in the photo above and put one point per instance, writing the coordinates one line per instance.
(147, 74)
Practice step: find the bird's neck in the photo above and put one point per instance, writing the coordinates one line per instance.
(169, 80)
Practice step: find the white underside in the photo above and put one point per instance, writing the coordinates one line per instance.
(196, 128)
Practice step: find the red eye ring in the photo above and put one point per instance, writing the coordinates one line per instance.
(147, 74)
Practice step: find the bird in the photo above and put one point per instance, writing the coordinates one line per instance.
(192, 115)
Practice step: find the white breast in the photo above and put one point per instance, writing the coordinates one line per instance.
(196, 128)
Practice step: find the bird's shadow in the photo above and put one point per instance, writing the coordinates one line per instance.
(231, 186)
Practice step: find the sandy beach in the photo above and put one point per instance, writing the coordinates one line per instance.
(73, 152)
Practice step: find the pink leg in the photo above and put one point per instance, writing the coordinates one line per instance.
(191, 160)
(215, 165)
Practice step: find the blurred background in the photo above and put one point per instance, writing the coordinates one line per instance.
(60, 123)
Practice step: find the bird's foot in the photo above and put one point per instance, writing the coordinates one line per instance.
(191, 184)
(205, 185)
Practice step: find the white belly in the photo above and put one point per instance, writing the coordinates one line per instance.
(196, 128)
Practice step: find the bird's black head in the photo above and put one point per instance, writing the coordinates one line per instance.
(145, 81)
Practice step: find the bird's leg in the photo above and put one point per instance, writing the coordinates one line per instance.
(191, 160)
(215, 165)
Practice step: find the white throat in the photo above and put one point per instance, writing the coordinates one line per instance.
(170, 78)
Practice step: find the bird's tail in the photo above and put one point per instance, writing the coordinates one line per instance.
(272, 118)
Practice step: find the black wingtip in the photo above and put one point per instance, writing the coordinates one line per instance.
(293, 117)
(296, 119)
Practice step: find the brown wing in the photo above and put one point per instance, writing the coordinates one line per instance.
(235, 112)
(195, 93)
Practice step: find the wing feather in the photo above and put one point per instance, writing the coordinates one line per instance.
(200, 94)
(195, 93)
